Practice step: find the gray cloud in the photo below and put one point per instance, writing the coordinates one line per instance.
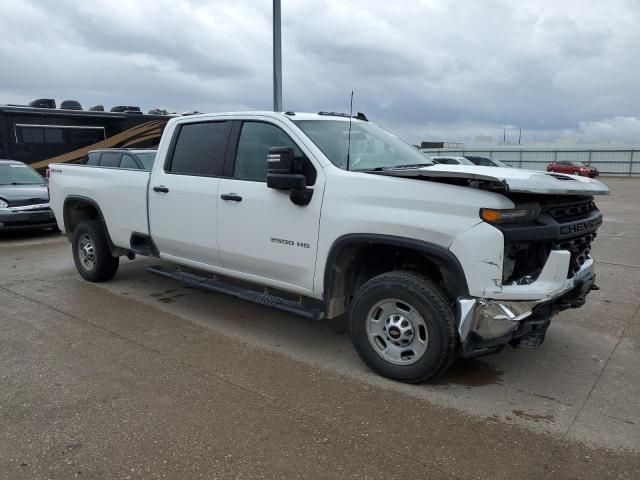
(432, 69)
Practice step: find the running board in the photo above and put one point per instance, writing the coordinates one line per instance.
(211, 285)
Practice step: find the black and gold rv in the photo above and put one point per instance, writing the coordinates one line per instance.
(40, 134)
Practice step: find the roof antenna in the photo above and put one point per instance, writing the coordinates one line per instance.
(349, 140)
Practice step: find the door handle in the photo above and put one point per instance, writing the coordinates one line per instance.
(231, 197)
(160, 189)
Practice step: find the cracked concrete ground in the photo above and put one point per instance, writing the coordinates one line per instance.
(142, 378)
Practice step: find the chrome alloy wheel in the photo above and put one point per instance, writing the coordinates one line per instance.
(397, 332)
(87, 252)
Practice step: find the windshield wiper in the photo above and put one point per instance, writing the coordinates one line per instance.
(395, 167)
(408, 165)
(22, 183)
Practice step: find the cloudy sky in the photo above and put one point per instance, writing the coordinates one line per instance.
(430, 70)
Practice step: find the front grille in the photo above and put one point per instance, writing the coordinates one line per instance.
(565, 223)
(579, 247)
(567, 211)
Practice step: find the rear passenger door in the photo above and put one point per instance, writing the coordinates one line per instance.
(183, 194)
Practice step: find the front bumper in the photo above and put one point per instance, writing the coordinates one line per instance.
(486, 325)
(28, 217)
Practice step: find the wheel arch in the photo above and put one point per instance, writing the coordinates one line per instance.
(77, 209)
(355, 258)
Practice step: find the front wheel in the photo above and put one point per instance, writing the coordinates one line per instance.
(402, 326)
(91, 252)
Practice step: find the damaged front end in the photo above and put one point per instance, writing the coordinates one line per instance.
(485, 326)
(524, 262)
(547, 267)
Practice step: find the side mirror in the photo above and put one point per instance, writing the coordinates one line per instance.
(280, 170)
(281, 175)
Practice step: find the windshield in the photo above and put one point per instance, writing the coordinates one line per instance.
(371, 146)
(147, 159)
(578, 164)
(19, 174)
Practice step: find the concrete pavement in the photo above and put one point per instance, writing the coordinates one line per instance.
(142, 378)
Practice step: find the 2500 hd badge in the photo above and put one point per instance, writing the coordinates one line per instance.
(283, 241)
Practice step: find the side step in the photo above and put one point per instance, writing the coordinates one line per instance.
(211, 285)
(142, 250)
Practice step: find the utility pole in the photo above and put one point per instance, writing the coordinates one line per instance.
(520, 137)
(277, 59)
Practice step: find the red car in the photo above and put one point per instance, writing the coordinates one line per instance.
(573, 168)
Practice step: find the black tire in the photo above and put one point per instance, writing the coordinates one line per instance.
(104, 266)
(430, 302)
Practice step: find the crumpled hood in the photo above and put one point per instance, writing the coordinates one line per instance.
(515, 180)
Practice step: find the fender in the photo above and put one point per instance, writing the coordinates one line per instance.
(448, 264)
(89, 201)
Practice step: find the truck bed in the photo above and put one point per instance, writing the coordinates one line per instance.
(121, 195)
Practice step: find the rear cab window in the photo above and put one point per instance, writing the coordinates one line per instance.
(199, 149)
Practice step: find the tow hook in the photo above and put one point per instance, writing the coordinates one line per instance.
(594, 287)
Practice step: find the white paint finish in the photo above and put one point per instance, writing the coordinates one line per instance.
(246, 230)
(120, 194)
(191, 225)
(480, 251)
(239, 275)
(184, 221)
(551, 282)
(518, 179)
(362, 203)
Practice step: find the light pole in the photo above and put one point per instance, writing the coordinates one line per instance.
(277, 59)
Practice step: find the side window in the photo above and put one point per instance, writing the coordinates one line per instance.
(200, 149)
(81, 137)
(110, 159)
(32, 134)
(53, 135)
(255, 141)
(129, 162)
(93, 158)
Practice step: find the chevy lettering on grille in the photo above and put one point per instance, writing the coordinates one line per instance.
(582, 226)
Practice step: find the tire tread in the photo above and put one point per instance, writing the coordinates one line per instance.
(433, 294)
(107, 265)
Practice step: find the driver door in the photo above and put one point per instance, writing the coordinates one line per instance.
(261, 233)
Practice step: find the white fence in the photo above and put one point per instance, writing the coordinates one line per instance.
(608, 162)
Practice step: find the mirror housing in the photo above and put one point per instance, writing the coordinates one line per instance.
(282, 174)
(280, 170)
(280, 160)
(286, 181)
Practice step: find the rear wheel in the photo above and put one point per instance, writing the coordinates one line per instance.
(91, 252)
(402, 326)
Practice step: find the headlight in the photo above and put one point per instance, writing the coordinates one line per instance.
(525, 213)
(3, 204)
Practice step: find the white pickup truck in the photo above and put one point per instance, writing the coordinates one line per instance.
(322, 215)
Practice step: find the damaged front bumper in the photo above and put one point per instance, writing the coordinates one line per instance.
(521, 319)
